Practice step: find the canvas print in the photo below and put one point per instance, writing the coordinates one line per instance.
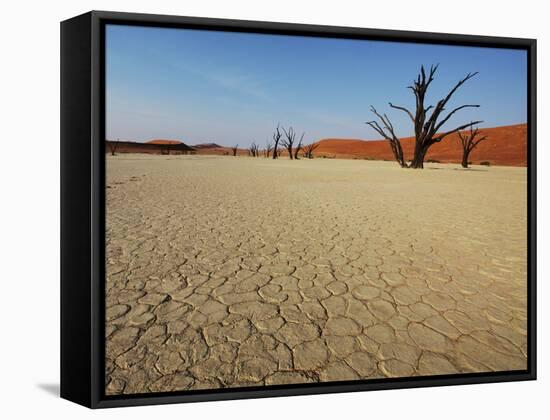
(296, 209)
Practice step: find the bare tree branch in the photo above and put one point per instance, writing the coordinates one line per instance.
(389, 134)
(444, 120)
(469, 143)
(309, 149)
(268, 148)
(440, 107)
(426, 128)
(402, 108)
(253, 150)
(454, 130)
(299, 146)
(288, 141)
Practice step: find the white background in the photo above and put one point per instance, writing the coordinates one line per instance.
(29, 210)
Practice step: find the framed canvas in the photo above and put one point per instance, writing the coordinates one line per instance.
(254, 209)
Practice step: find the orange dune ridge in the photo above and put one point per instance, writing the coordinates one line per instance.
(163, 141)
(505, 145)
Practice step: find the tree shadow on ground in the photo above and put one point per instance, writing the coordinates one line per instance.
(471, 169)
(458, 169)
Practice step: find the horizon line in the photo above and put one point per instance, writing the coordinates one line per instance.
(316, 141)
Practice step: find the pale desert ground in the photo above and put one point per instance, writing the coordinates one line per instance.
(235, 271)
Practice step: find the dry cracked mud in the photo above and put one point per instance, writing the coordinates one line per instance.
(232, 272)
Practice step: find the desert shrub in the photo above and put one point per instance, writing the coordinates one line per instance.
(433, 161)
(485, 163)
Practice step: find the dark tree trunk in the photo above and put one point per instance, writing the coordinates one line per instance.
(399, 155)
(276, 138)
(465, 159)
(417, 163)
(418, 158)
(113, 147)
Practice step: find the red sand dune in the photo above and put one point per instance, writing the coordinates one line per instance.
(163, 141)
(506, 145)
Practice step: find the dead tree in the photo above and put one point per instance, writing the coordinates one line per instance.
(268, 148)
(469, 143)
(389, 134)
(309, 149)
(298, 147)
(253, 150)
(276, 138)
(234, 149)
(113, 145)
(426, 128)
(288, 141)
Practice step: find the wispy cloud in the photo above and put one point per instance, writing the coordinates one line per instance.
(234, 80)
(328, 118)
(242, 83)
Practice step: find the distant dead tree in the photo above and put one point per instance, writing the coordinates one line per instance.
(298, 147)
(254, 150)
(309, 149)
(469, 143)
(288, 141)
(166, 149)
(426, 128)
(276, 138)
(268, 148)
(113, 145)
(234, 149)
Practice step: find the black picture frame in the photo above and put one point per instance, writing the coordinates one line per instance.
(83, 213)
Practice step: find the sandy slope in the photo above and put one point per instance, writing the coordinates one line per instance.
(164, 141)
(227, 272)
(505, 145)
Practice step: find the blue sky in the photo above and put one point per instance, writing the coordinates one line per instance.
(228, 88)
